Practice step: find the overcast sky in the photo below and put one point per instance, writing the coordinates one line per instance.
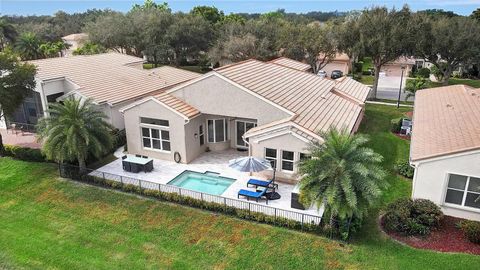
(42, 7)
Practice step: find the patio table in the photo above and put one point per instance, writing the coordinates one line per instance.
(135, 164)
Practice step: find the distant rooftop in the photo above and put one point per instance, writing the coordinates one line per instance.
(111, 77)
(445, 121)
(287, 62)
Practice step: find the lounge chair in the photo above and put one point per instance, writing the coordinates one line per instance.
(252, 194)
(262, 183)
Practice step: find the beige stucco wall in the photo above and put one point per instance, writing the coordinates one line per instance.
(216, 96)
(430, 181)
(336, 65)
(154, 110)
(286, 142)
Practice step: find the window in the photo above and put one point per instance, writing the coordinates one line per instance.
(240, 128)
(287, 160)
(156, 139)
(201, 135)
(156, 122)
(271, 155)
(217, 130)
(463, 190)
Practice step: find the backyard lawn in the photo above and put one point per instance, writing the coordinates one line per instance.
(47, 222)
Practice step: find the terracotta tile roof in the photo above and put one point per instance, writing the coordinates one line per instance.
(312, 99)
(445, 121)
(177, 104)
(353, 88)
(109, 78)
(173, 75)
(287, 62)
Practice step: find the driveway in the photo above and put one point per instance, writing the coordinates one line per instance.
(388, 88)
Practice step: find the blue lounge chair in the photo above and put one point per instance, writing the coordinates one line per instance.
(262, 183)
(252, 194)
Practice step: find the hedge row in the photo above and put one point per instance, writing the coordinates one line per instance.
(24, 153)
(189, 201)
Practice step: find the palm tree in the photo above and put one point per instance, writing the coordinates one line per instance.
(74, 130)
(413, 86)
(8, 34)
(28, 46)
(343, 175)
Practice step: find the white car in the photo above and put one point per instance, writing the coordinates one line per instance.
(322, 73)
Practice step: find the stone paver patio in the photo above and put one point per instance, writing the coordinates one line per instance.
(165, 171)
(18, 138)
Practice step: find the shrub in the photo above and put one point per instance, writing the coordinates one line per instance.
(403, 168)
(471, 230)
(395, 125)
(423, 72)
(412, 217)
(24, 153)
(357, 67)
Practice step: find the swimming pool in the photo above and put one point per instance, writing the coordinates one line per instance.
(208, 182)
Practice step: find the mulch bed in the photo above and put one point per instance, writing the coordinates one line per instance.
(403, 137)
(447, 238)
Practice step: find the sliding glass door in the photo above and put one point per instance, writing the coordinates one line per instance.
(240, 128)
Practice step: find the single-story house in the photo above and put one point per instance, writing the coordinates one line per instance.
(394, 68)
(445, 149)
(340, 62)
(268, 109)
(287, 62)
(111, 80)
(75, 41)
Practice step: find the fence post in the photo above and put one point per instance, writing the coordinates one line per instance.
(275, 219)
(121, 179)
(225, 204)
(201, 196)
(103, 175)
(139, 183)
(159, 190)
(248, 208)
(303, 215)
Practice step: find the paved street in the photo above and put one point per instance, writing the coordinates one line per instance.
(388, 88)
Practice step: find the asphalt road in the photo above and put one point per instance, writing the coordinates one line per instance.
(388, 88)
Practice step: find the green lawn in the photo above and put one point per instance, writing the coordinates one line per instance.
(367, 63)
(46, 222)
(367, 79)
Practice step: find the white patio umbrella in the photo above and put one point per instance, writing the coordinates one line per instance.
(249, 164)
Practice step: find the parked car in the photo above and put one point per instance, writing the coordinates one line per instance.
(336, 74)
(322, 73)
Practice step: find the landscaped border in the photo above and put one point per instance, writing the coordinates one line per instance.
(242, 209)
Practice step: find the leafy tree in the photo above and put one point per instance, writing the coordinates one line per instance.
(28, 46)
(211, 14)
(189, 35)
(476, 14)
(385, 35)
(343, 175)
(17, 81)
(238, 48)
(347, 34)
(233, 18)
(89, 48)
(314, 43)
(150, 4)
(53, 49)
(448, 43)
(412, 86)
(73, 131)
(8, 33)
(112, 31)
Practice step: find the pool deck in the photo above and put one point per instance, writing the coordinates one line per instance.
(165, 171)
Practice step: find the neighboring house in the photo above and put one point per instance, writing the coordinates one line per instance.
(340, 62)
(111, 80)
(445, 149)
(287, 62)
(75, 41)
(268, 109)
(394, 68)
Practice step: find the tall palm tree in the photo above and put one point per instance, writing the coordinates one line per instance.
(74, 130)
(28, 46)
(343, 175)
(8, 34)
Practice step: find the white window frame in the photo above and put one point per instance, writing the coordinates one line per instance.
(465, 191)
(245, 126)
(288, 160)
(214, 130)
(201, 134)
(159, 128)
(271, 158)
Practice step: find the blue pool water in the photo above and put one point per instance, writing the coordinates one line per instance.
(208, 182)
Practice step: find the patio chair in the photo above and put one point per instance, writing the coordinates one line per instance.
(148, 167)
(135, 168)
(138, 156)
(262, 183)
(252, 194)
(124, 157)
(144, 157)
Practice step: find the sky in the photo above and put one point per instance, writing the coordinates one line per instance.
(42, 7)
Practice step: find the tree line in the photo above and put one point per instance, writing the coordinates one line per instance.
(206, 36)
